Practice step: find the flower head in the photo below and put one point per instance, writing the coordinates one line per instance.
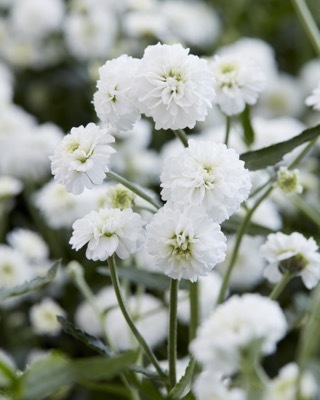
(314, 99)
(293, 254)
(185, 243)
(208, 174)
(82, 157)
(108, 231)
(115, 101)
(288, 180)
(174, 88)
(233, 327)
(237, 82)
(43, 317)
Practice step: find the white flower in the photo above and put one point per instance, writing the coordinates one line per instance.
(314, 99)
(233, 327)
(174, 88)
(185, 243)
(9, 187)
(115, 196)
(43, 317)
(284, 386)
(150, 317)
(82, 157)
(14, 269)
(208, 174)
(208, 386)
(108, 231)
(115, 102)
(293, 254)
(238, 81)
(28, 243)
(288, 180)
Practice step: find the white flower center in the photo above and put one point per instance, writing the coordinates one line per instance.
(228, 74)
(208, 177)
(180, 246)
(173, 86)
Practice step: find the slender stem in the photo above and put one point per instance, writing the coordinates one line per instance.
(303, 153)
(263, 186)
(172, 338)
(194, 310)
(228, 126)
(134, 188)
(277, 290)
(241, 231)
(125, 313)
(308, 23)
(180, 133)
(311, 212)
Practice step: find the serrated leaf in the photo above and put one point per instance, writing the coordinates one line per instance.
(30, 286)
(259, 159)
(177, 391)
(90, 341)
(248, 132)
(151, 280)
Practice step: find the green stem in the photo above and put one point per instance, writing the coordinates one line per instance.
(134, 188)
(308, 23)
(172, 338)
(310, 212)
(194, 309)
(303, 153)
(125, 313)
(277, 290)
(180, 133)
(241, 231)
(228, 126)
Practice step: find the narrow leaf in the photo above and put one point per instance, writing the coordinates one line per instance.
(34, 284)
(232, 225)
(248, 132)
(151, 280)
(189, 396)
(90, 341)
(181, 386)
(270, 155)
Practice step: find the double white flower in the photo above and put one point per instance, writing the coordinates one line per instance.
(81, 158)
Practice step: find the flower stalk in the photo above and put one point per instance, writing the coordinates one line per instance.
(172, 338)
(278, 289)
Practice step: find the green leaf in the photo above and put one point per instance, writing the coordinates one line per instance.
(189, 396)
(30, 286)
(46, 376)
(90, 341)
(232, 225)
(96, 368)
(186, 379)
(267, 156)
(248, 132)
(55, 371)
(151, 280)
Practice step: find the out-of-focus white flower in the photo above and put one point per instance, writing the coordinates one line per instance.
(282, 96)
(145, 23)
(90, 35)
(185, 243)
(208, 386)
(206, 174)
(9, 187)
(87, 319)
(292, 254)
(115, 101)
(6, 83)
(233, 327)
(249, 266)
(173, 87)
(116, 196)
(150, 317)
(238, 81)
(284, 386)
(60, 208)
(81, 159)
(209, 288)
(36, 18)
(257, 50)
(314, 99)
(108, 231)
(35, 147)
(43, 317)
(193, 22)
(14, 269)
(310, 75)
(30, 244)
